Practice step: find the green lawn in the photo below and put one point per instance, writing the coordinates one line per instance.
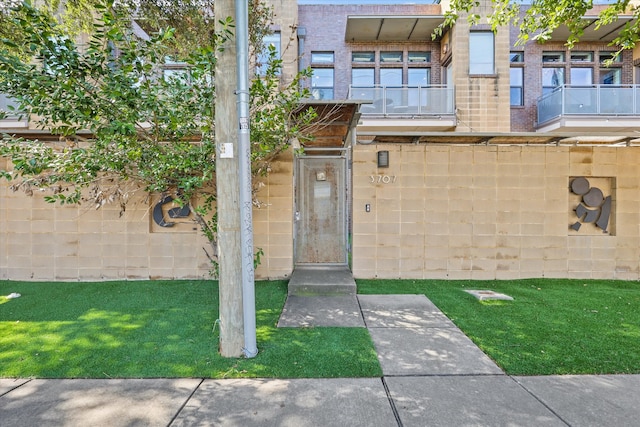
(161, 329)
(553, 326)
(166, 329)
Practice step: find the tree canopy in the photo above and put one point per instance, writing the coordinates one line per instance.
(537, 19)
(137, 114)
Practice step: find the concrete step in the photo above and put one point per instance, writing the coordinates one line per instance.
(322, 280)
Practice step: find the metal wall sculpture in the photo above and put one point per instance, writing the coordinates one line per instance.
(177, 212)
(594, 207)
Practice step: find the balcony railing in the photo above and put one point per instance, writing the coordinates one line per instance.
(594, 100)
(5, 102)
(405, 100)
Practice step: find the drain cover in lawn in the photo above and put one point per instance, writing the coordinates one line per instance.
(487, 294)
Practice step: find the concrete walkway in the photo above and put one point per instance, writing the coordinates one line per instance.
(433, 375)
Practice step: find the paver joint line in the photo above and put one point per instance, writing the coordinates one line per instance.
(392, 403)
(185, 402)
(550, 409)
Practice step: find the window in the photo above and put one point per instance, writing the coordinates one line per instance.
(481, 53)
(362, 83)
(611, 76)
(391, 57)
(581, 76)
(581, 56)
(322, 83)
(363, 57)
(516, 57)
(362, 77)
(517, 85)
(391, 76)
(552, 77)
(609, 56)
(419, 56)
(516, 78)
(322, 57)
(418, 77)
(552, 56)
(174, 70)
(271, 42)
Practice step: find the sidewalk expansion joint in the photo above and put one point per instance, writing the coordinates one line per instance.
(392, 403)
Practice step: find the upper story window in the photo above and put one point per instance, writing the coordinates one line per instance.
(481, 52)
(419, 56)
(418, 77)
(363, 57)
(552, 77)
(176, 70)
(552, 56)
(581, 56)
(611, 75)
(322, 57)
(516, 78)
(393, 57)
(609, 56)
(322, 83)
(391, 76)
(322, 79)
(271, 42)
(581, 76)
(516, 57)
(363, 77)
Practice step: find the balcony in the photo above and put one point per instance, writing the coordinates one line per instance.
(405, 108)
(610, 108)
(11, 120)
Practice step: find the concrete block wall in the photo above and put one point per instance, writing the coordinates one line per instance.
(273, 220)
(491, 212)
(42, 241)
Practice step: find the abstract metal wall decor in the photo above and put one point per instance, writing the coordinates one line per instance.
(594, 207)
(177, 212)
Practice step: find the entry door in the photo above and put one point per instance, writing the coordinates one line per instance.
(320, 210)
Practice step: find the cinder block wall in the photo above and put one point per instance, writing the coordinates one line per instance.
(42, 241)
(492, 212)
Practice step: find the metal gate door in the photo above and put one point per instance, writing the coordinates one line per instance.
(320, 210)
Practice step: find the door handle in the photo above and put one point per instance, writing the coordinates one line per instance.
(297, 216)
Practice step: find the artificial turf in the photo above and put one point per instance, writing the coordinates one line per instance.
(553, 326)
(147, 329)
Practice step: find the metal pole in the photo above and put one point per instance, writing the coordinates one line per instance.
(244, 168)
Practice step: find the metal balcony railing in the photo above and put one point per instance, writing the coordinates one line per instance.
(594, 100)
(405, 100)
(5, 102)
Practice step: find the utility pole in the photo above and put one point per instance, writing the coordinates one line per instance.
(233, 181)
(228, 192)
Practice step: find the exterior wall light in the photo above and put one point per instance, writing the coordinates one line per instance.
(383, 159)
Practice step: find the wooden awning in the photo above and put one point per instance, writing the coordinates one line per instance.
(334, 124)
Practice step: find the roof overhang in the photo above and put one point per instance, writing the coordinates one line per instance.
(489, 138)
(334, 124)
(592, 124)
(374, 125)
(593, 33)
(391, 28)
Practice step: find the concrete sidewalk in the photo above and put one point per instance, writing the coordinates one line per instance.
(433, 375)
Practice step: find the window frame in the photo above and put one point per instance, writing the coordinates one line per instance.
(479, 43)
(322, 88)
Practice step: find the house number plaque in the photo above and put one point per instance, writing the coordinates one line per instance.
(382, 179)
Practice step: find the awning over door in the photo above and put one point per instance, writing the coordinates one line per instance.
(334, 124)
